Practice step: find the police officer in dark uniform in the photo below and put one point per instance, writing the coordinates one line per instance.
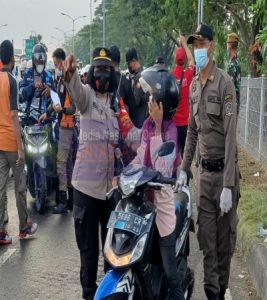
(213, 125)
(137, 110)
(123, 91)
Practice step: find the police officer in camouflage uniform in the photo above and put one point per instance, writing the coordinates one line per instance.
(212, 124)
(234, 69)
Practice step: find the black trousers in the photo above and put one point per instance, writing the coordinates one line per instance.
(88, 214)
(182, 132)
(174, 277)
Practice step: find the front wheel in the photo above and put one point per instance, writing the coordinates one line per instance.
(40, 189)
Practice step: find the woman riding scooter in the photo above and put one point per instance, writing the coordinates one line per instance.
(158, 128)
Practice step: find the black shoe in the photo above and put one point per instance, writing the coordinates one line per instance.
(61, 208)
(210, 295)
(6, 218)
(222, 293)
(70, 198)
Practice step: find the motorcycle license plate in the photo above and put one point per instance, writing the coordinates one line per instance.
(127, 221)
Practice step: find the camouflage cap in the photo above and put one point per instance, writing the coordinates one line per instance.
(232, 38)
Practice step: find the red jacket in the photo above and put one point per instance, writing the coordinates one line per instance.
(181, 116)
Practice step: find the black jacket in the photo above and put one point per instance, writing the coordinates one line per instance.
(138, 110)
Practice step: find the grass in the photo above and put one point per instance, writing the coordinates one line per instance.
(252, 208)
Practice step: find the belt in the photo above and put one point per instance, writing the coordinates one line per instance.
(213, 165)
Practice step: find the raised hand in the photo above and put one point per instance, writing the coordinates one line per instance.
(68, 67)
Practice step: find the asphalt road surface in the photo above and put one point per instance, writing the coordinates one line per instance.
(47, 265)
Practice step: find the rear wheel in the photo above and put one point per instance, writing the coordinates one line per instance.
(40, 189)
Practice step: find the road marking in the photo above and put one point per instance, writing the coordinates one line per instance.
(228, 295)
(5, 256)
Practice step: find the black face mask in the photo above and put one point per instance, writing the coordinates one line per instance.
(131, 70)
(102, 81)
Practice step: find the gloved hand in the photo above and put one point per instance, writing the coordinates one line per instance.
(182, 181)
(226, 202)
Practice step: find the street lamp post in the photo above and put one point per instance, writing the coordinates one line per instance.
(104, 21)
(4, 25)
(73, 24)
(63, 32)
(91, 14)
(56, 39)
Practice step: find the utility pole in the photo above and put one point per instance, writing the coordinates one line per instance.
(91, 22)
(104, 21)
(200, 11)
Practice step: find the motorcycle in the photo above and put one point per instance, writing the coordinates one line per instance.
(40, 156)
(136, 271)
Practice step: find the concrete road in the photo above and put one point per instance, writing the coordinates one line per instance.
(47, 266)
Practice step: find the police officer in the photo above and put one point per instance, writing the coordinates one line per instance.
(234, 69)
(94, 165)
(138, 109)
(213, 125)
(123, 93)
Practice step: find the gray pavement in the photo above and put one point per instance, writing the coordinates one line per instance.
(47, 266)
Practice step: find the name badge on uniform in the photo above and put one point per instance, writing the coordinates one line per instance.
(214, 99)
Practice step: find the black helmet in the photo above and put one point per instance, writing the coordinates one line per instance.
(162, 85)
(39, 56)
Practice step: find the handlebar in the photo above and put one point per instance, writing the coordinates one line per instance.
(167, 180)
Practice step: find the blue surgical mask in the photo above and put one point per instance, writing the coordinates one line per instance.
(201, 58)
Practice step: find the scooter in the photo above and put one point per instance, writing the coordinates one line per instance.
(136, 271)
(40, 157)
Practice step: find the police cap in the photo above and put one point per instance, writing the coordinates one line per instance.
(203, 31)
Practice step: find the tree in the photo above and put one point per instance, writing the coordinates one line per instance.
(38, 40)
(152, 27)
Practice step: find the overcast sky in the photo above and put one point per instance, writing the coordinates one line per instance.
(41, 16)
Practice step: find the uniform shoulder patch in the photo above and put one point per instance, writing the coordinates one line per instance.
(228, 108)
(228, 98)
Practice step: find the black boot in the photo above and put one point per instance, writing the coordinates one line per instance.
(222, 293)
(62, 204)
(70, 198)
(210, 295)
(6, 217)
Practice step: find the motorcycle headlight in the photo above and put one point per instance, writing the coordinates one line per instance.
(128, 183)
(43, 148)
(130, 257)
(32, 149)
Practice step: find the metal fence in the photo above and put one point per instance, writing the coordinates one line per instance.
(252, 120)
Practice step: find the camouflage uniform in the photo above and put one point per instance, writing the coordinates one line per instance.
(234, 70)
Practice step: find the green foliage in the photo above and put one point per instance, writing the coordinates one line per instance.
(152, 27)
(252, 212)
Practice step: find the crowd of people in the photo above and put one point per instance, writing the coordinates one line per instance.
(189, 110)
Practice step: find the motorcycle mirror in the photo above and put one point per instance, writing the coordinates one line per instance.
(166, 148)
